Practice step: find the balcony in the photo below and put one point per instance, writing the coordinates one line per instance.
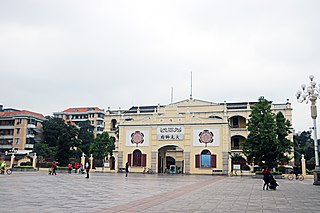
(29, 146)
(6, 136)
(7, 127)
(236, 148)
(30, 136)
(31, 126)
(6, 146)
(79, 119)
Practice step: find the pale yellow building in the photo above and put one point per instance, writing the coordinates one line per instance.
(190, 136)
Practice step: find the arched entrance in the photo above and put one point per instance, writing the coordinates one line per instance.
(170, 159)
(112, 163)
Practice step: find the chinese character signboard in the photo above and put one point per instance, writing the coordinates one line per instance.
(170, 133)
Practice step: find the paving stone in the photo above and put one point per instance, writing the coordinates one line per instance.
(108, 192)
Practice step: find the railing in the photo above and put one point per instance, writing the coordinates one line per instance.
(6, 136)
(236, 148)
(7, 127)
(6, 146)
(31, 126)
(29, 146)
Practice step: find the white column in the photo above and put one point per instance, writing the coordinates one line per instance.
(34, 160)
(91, 161)
(12, 160)
(229, 165)
(83, 160)
(303, 166)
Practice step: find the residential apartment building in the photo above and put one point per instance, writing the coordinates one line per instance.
(190, 136)
(77, 115)
(19, 130)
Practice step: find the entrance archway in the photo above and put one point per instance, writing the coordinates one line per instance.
(112, 163)
(170, 159)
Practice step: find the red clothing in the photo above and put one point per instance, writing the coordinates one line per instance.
(266, 172)
(54, 165)
(69, 166)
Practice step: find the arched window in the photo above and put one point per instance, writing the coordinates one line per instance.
(137, 158)
(206, 160)
(113, 124)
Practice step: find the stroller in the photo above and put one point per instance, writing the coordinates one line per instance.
(273, 183)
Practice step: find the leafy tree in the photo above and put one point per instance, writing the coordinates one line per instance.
(267, 138)
(102, 146)
(43, 149)
(68, 144)
(304, 144)
(61, 138)
(86, 136)
(283, 129)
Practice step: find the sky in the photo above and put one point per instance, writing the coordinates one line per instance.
(60, 54)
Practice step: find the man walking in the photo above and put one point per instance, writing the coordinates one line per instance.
(87, 168)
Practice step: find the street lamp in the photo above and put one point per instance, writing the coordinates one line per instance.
(311, 93)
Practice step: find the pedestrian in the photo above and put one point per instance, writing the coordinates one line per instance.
(76, 167)
(266, 178)
(127, 169)
(53, 168)
(80, 168)
(87, 168)
(70, 168)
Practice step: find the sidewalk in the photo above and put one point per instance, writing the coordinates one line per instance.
(39, 192)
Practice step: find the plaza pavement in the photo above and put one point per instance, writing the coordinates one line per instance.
(108, 192)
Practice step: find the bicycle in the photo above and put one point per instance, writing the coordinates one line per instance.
(298, 177)
(147, 170)
(6, 170)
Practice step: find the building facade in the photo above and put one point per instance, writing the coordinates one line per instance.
(77, 115)
(191, 136)
(19, 130)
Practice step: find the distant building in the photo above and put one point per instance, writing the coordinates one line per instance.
(19, 130)
(77, 115)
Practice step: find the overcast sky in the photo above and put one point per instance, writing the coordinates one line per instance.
(60, 54)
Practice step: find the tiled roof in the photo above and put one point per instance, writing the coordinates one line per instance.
(83, 109)
(21, 112)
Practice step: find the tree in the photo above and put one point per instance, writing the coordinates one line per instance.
(61, 138)
(68, 144)
(86, 136)
(304, 144)
(102, 146)
(267, 135)
(43, 149)
(283, 129)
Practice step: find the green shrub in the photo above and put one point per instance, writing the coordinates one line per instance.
(23, 167)
(258, 172)
(309, 172)
(62, 168)
(245, 168)
(281, 169)
(276, 173)
(26, 164)
(44, 165)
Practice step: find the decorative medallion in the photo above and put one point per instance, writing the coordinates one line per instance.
(206, 137)
(137, 137)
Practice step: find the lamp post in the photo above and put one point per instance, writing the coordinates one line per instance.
(311, 93)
